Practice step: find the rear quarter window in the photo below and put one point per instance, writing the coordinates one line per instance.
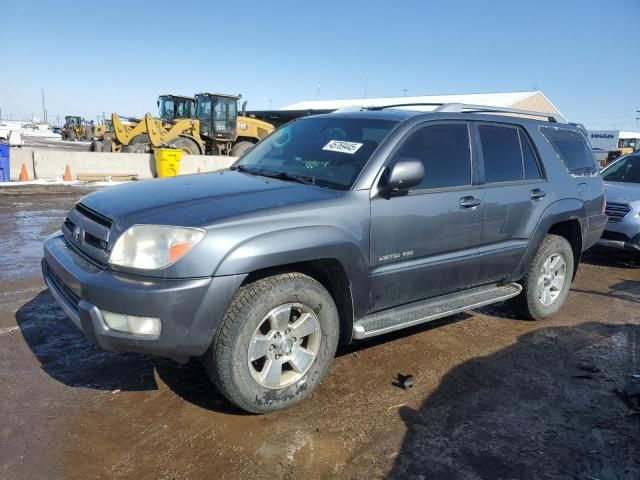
(572, 148)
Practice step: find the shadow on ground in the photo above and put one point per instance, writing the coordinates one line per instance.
(69, 357)
(609, 257)
(66, 355)
(542, 408)
(628, 290)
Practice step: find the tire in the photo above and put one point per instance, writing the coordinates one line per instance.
(188, 145)
(71, 136)
(246, 319)
(139, 144)
(240, 148)
(96, 146)
(542, 295)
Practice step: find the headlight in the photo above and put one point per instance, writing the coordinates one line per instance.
(154, 246)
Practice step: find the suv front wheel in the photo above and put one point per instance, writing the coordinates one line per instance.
(546, 283)
(275, 343)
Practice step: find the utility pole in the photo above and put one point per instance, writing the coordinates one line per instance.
(366, 81)
(318, 98)
(44, 108)
(269, 104)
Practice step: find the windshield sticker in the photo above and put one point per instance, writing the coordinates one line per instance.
(342, 146)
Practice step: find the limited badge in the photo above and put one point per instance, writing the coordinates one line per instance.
(342, 146)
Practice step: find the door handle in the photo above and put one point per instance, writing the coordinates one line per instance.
(537, 194)
(470, 202)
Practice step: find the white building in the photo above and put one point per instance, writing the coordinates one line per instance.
(533, 100)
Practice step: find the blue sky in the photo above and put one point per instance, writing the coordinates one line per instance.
(584, 55)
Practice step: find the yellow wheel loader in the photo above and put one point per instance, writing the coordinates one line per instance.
(209, 124)
(225, 132)
(77, 128)
(132, 135)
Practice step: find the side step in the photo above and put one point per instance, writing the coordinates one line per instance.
(426, 310)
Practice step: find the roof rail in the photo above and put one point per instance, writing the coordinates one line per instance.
(467, 108)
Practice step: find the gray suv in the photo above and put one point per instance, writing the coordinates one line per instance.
(335, 228)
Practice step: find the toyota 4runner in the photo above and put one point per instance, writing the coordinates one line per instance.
(335, 228)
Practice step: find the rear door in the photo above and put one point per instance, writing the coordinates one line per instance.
(425, 242)
(515, 194)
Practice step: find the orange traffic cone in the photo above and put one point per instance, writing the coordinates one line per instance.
(67, 174)
(24, 176)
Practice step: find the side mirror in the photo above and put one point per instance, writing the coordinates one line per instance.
(404, 174)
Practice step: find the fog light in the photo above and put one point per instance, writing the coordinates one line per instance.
(131, 324)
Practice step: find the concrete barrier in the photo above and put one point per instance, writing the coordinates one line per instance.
(206, 163)
(18, 157)
(51, 164)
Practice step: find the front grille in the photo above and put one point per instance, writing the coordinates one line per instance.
(616, 211)
(88, 232)
(68, 294)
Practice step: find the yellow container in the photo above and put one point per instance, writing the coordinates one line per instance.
(167, 161)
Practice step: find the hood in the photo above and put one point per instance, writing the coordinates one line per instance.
(198, 200)
(622, 192)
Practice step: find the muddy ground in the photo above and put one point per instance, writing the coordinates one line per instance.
(494, 396)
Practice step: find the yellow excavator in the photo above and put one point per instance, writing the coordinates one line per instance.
(206, 124)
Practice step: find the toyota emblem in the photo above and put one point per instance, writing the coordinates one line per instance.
(76, 234)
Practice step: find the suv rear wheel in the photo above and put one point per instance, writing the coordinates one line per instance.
(546, 283)
(275, 344)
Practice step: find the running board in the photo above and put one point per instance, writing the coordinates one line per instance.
(427, 310)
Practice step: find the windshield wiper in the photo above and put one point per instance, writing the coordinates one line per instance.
(279, 175)
(290, 176)
(242, 168)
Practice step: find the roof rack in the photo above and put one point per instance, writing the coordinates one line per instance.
(467, 108)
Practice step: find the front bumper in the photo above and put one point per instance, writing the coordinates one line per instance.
(619, 240)
(190, 309)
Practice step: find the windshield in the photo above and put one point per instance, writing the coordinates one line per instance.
(633, 143)
(627, 169)
(328, 151)
(166, 108)
(73, 120)
(203, 107)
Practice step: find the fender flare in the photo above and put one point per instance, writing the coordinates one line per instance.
(313, 243)
(559, 211)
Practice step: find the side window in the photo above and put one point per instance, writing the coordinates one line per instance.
(531, 167)
(572, 148)
(501, 153)
(444, 151)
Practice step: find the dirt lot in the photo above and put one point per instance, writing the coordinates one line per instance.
(494, 396)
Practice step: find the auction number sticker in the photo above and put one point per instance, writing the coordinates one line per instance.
(342, 146)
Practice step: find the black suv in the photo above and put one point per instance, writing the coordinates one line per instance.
(336, 227)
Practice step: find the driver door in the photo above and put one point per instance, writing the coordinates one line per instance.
(426, 242)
